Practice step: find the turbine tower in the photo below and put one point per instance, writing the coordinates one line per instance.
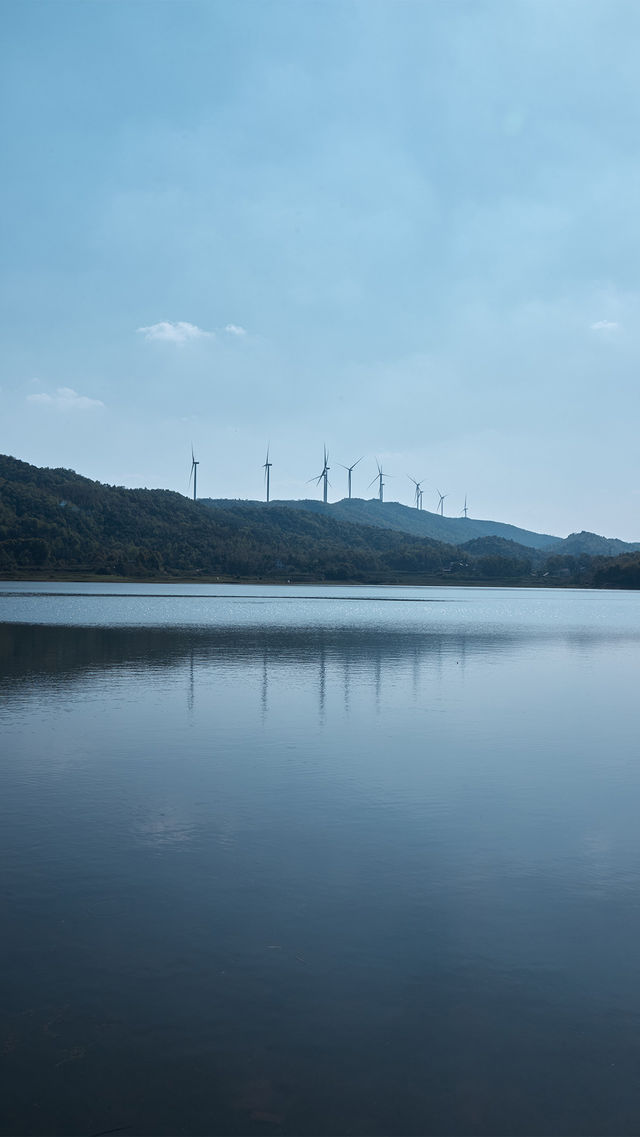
(267, 472)
(378, 478)
(441, 501)
(464, 508)
(323, 476)
(194, 472)
(418, 491)
(349, 470)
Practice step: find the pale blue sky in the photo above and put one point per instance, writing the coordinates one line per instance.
(408, 230)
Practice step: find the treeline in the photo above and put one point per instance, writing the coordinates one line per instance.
(619, 572)
(52, 521)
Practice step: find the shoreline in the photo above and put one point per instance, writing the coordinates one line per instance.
(417, 580)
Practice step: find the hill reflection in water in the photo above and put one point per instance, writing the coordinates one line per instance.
(316, 876)
(33, 655)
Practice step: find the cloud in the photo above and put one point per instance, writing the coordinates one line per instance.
(178, 332)
(65, 398)
(605, 326)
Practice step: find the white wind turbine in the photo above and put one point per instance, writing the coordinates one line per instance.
(323, 476)
(378, 478)
(350, 470)
(418, 491)
(267, 472)
(194, 472)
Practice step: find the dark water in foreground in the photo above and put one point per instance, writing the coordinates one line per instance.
(328, 861)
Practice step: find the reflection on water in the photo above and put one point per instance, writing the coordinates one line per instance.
(314, 867)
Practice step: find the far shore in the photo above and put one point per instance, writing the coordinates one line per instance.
(399, 580)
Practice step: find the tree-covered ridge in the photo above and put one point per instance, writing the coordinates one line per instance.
(54, 521)
(423, 523)
(594, 545)
(457, 531)
(54, 518)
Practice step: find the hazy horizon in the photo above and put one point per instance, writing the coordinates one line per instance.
(407, 231)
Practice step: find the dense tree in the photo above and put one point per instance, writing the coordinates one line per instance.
(619, 572)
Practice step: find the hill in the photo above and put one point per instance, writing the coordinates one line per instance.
(460, 530)
(500, 547)
(421, 523)
(56, 520)
(594, 546)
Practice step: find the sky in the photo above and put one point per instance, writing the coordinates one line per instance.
(403, 230)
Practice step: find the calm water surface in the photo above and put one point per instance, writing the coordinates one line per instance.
(319, 860)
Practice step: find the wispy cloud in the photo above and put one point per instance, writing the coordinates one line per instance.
(179, 332)
(605, 326)
(65, 398)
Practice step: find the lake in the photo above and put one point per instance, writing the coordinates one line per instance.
(315, 861)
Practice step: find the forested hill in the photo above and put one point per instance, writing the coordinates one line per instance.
(421, 523)
(594, 545)
(55, 518)
(55, 522)
(458, 531)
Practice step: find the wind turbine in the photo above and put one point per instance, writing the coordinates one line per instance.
(418, 491)
(378, 478)
(441, 502)
(464, 508)
(349, 470)
(194, 472)
(323, 476)
(267, 472)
